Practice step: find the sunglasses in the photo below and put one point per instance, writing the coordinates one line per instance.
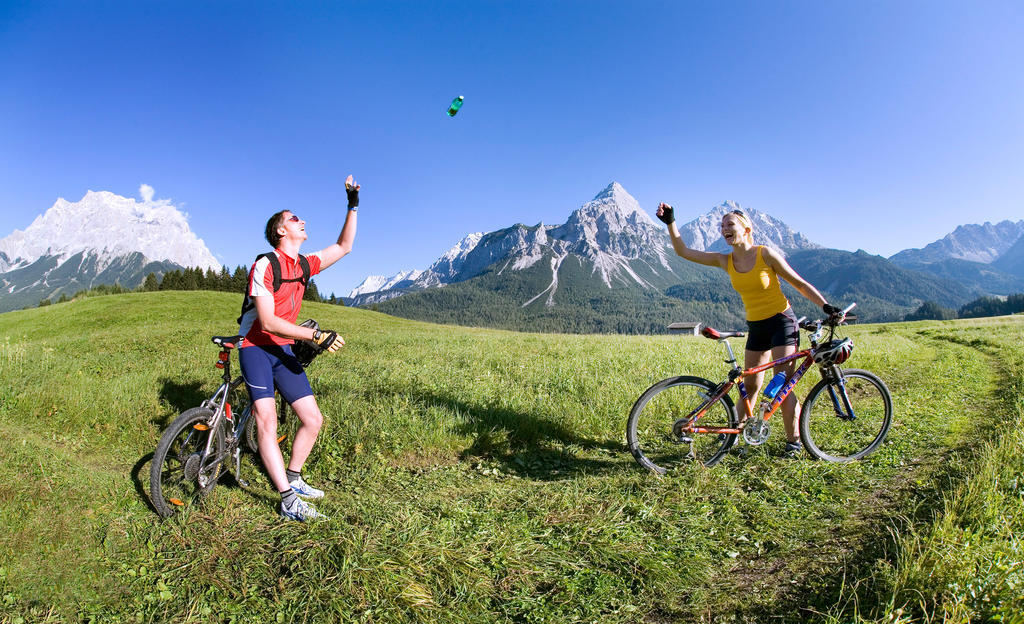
(737, 212)
(293, 218)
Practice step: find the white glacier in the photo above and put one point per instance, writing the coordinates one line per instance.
(110, 226)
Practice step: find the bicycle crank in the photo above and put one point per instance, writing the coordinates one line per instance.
(756, 431)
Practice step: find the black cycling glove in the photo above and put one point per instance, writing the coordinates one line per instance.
(830, 309)
(353, 195)
(667, 215)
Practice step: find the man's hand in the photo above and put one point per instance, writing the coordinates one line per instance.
(830, 309)
(666, 213)
(352, 190)
(328, 340)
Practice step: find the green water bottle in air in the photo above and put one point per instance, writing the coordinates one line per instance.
(455, 106)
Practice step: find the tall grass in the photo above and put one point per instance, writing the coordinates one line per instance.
(472, 475)
(966, 562)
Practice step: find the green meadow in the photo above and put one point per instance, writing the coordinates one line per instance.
(478, 475)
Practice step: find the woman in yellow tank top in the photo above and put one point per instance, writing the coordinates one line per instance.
(754, 271)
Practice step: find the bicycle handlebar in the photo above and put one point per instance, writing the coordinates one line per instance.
(841, 318)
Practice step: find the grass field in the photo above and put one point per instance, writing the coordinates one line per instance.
(482, 476)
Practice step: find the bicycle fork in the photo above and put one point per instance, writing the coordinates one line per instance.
(840, 400)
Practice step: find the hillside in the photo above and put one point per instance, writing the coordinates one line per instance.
(482, 476)
(689, 292)
(996, 278)
(878, 286)
(1012, 260)
(586, 305)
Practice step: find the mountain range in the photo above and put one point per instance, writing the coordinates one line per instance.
(611, 267)
(101, 239)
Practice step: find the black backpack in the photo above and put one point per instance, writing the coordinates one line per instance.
(275, 268)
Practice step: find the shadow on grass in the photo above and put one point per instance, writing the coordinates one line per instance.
(180, 396)
(528, 445)
(137, 480)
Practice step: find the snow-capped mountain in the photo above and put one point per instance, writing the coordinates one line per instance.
(111, 226)
(704, 232)
(620, 244)
(375, 283)
(377, 288)
(976, 243)
(102, 239)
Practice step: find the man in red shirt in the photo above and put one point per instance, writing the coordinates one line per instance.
(266, 356)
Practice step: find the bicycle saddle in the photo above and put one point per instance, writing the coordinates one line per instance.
(226, 341)
(714, 334)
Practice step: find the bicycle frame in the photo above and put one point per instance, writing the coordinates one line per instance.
(686, 424)
(218, 403)
(841, 402)
(192, 450)
(691, 411)
(221, 408)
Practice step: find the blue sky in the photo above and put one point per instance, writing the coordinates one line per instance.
(874, 125)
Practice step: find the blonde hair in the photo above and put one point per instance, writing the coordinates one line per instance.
(744, 220)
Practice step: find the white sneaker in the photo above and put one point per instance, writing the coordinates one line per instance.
(300, 510)
(305, 490)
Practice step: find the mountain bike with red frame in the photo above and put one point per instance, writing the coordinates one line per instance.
(686, 419)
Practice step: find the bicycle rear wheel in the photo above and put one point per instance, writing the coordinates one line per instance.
(287, 424)
(838, 430)
(180, 475)
(649, 430)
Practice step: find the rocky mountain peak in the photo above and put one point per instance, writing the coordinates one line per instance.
(982, 243)
(613, 208)
(621, 243)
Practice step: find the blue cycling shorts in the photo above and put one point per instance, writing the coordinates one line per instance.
(270, 366)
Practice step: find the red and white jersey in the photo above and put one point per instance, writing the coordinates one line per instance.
(287, 299)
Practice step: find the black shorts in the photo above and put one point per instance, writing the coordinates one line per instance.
(775, 331)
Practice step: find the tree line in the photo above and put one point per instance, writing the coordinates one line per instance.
(491, 309)
(192, 279)
(980, 307)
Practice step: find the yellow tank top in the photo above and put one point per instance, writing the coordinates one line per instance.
(759, 288)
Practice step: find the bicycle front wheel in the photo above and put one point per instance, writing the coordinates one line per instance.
(180, 473)
(847, 417)
(649, 430)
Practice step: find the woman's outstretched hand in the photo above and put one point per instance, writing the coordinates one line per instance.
(665, 213)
